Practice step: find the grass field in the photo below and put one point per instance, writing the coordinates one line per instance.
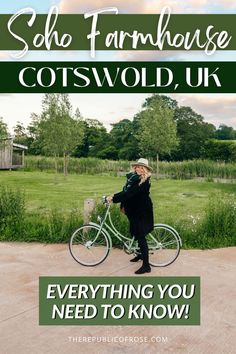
(175, 199)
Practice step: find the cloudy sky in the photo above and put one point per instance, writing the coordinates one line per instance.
(110, 108)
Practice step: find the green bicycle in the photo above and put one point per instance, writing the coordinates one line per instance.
(91, 243)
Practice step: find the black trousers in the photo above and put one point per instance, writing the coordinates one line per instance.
(142, 242)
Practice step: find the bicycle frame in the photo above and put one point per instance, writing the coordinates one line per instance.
(129, 243)
(104, 226)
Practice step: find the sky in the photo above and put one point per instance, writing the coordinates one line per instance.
(110, 108)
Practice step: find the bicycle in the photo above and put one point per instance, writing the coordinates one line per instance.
(91, 243)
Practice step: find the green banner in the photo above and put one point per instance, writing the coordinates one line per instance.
(117, 31)
(117, 77)
(119, 301)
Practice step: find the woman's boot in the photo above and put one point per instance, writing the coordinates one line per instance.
(137, 258)
(144, 252)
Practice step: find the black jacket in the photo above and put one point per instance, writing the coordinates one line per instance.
(137, 204)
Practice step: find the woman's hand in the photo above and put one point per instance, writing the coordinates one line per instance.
(109, 199)
(122, 210)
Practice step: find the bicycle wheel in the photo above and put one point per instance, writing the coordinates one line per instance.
(163, 245)
(89, 246)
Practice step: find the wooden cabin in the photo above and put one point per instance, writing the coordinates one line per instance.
(11, 154)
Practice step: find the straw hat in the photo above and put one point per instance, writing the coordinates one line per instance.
(142, 162)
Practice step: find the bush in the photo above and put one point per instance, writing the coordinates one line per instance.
(17, 225)
(220, 150)
(92, 166)
(12, 212)
(60, 228)
(52, 228)
(220, 219)
(198, 168)
(84, 165)
(216, 229)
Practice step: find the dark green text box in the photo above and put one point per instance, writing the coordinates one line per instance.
(119, 301)
(124, 77)
(79, 28)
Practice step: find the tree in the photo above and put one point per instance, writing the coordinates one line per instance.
(35, 143)
(225, 133)
(58, 130)
(155, 98)
(192, 132)
(96, 139)
(157, 129)
(220, 150)
(3, 129)
(124, 140)
(20, 134)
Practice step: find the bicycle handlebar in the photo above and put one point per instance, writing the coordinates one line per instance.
(104, 200)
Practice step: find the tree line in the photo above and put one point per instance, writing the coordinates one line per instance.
(162, 128)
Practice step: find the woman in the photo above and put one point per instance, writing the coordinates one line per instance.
(137, 205)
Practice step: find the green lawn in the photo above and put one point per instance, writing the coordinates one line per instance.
(171, 198)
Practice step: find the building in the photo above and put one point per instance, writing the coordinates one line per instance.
(11, 154)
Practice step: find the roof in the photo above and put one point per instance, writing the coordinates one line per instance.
(19, 146)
